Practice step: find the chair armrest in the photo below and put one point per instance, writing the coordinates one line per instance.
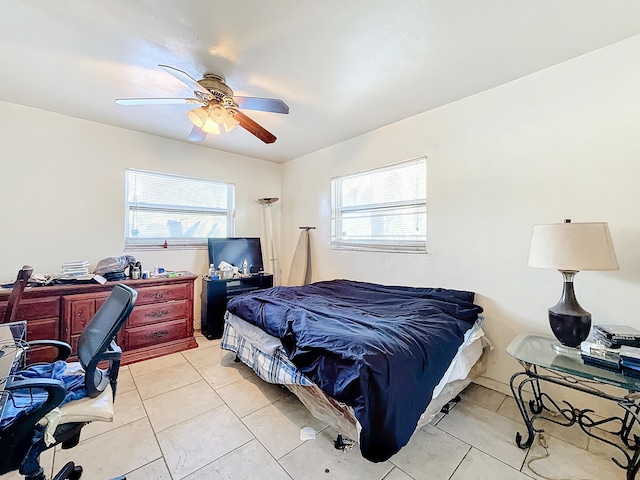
(56, 392)
(50, 385)
(64, 349)
(113, 353)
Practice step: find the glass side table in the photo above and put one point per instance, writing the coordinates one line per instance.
(541, 364)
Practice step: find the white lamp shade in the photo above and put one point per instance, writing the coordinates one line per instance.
(572, 246)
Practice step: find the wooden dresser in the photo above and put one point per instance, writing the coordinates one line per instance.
(160, 323)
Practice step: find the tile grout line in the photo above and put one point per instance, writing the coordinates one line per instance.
(479, 449)
(155, 434)
(460, 463)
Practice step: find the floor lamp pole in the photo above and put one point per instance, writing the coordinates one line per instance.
(267, 203)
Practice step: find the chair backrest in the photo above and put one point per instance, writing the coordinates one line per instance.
(16, 292)
(97, 341)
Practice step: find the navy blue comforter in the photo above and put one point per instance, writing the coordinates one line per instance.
(380, 349)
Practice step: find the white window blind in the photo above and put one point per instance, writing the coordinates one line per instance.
(181, 211)
(384, 209)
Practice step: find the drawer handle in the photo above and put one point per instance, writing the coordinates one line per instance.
(159, 334)
(159, 295)
(158, 314)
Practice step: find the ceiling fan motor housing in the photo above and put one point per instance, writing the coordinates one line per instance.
(215, 84)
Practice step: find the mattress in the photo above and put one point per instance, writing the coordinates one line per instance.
(265, 355)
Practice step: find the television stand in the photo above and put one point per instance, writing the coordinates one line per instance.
(216, 293)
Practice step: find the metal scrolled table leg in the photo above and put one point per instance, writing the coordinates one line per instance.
(522, 406)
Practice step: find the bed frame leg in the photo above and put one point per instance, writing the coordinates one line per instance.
(449, 405)
(237, 359)
(343, 443)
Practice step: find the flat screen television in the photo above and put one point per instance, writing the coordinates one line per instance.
(235, 251)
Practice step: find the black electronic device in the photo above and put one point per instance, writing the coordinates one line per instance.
(618, 332)
(235, 250)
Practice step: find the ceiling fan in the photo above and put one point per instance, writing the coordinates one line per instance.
(219, 109)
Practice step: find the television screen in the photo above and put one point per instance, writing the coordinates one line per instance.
(235, 251)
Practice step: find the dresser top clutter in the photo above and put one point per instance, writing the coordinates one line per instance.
(161, 322)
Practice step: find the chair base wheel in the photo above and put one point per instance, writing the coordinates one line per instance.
(70, 471)
(76, 474)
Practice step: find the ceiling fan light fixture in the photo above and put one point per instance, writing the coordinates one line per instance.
(211, 127)
(230, 122)
(217, 113)
(212, 117)
(198, 116)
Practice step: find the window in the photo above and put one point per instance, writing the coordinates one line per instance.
(181, 211)
(384, 209)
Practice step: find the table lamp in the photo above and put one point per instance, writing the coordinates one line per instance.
(569, 248)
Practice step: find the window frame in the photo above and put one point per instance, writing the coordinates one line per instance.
(187, 243)
(380, 245)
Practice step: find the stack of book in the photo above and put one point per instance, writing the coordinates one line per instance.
(614, 347)
(615, 336)
(630, 361)
(75, 270)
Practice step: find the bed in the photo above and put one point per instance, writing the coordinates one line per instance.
(374, 361)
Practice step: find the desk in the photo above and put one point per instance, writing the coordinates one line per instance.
(543, 364)
(11, 354)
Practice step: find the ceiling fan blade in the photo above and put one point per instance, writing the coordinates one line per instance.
(158, 101)
(197, 134)
(274, 105)
(255, 129)
(186, 79)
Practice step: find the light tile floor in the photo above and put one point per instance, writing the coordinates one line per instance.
(199, 415)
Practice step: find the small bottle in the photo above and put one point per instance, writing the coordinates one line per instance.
(212, 270)
(245, 267)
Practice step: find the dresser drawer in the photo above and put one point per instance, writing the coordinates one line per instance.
(155, 333)
(30, 309)
(43, 329)
(162, 294)
(157, 312)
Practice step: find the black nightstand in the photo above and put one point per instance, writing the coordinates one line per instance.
(216, 293)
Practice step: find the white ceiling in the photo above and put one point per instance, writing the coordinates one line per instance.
(343, 67)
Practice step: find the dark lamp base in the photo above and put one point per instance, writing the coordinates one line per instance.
(570, 322)
(570, 330)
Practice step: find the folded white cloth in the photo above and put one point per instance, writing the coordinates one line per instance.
(85, 409)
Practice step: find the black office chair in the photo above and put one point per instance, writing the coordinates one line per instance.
(22, 440)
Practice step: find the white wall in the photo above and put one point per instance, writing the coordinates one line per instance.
(562, 143)
(62, 190)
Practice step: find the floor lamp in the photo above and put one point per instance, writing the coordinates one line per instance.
(268, 220)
